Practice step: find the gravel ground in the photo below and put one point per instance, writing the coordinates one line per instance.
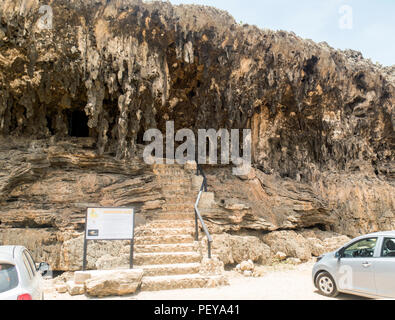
(281, 282)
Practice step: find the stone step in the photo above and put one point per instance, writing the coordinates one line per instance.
(175, 215)
(175, 178)
(178, 206)
(177, 247)
(169, 269)
(175, 182)
(158, 232)
(176, 202)
(182, 282)
(173, 189)
(167, 239)
(182, 210)
(171, 223)
(168, 172)
(172, 176)
(185, 194)
(166, 258)
(172, 197)
(188, 195)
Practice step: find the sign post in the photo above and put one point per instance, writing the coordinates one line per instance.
(109, 224)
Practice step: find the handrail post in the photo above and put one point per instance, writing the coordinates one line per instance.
(197, 214)
(131, 258)
(196, 227)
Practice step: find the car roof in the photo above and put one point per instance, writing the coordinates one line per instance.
(7, 249)
(9, 252)
(381, 234)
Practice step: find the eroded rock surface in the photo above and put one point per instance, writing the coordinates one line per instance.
(75, 101)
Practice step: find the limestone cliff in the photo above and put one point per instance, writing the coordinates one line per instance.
(76, 99)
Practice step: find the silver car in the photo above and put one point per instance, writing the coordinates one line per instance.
(20, 278)
(365, 266)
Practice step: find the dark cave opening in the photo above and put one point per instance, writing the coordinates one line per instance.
(322, 227)
(50, 125)
(310, 65)
(140, 137)
(78, 124)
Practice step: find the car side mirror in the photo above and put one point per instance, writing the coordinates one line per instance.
(339, 254)
(43, 268)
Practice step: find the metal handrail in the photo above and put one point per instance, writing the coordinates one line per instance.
(197, 212)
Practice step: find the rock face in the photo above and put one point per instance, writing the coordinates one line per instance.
(46, 189)
(266, 202)
(236, 249)
(76, 99)
(275, 246)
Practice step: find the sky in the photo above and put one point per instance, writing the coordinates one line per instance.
(364, 25)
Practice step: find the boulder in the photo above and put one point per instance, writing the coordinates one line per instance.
(61, 288)
(75, 289)
(290, 243)
(114, 283)
(280, 256)
(247, 266)
(236, 249)
(321, 242)
(294, 261)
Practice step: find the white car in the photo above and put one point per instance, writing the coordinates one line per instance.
(365, 266)
(20, 279)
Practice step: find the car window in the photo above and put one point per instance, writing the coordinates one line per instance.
(388, 249)
(361, 249)
(31, 261)
(8, 277)
(27, 266)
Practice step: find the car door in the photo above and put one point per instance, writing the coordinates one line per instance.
(384, 269)
(357, 265)
(34, 281)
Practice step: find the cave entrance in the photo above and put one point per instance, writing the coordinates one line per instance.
(78, 124)
(140, 137)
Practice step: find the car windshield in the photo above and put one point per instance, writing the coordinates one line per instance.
(8, 277)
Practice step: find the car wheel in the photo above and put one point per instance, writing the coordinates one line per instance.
(326, 285)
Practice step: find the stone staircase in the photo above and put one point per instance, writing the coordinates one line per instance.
(165, 247)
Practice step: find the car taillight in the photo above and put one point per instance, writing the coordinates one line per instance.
(25, 296)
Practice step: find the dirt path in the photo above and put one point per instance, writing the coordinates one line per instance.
(278, 283)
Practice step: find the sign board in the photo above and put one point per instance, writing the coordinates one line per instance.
(109, 224)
